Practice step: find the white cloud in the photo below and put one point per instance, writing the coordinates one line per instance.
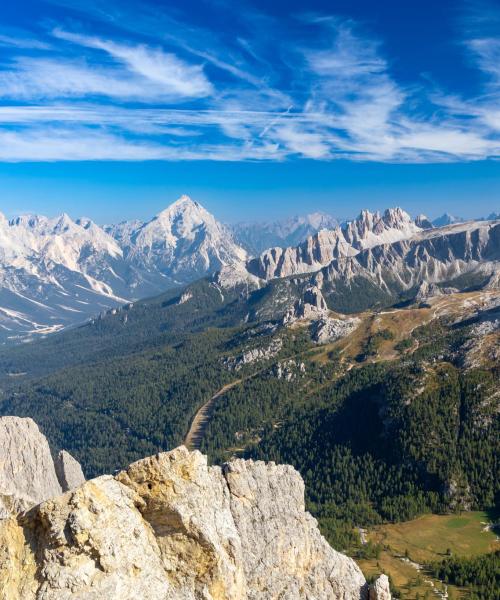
(465, 144)
(34, 78)
(487, 55)
(56, 144)
(21, 41)
(46, 144)
(173, 76)
(304, 143)
(341, 100)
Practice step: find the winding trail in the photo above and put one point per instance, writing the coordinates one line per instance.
(200, 420)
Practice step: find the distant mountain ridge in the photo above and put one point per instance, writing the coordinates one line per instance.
(57, 272)
(447, 219)
(317, 251)
(257, 237)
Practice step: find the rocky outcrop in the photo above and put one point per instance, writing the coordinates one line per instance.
(326, 329)
(317, 251)
(312, 305)
(380, 590)
(285, 556)
(172, 528)
(252, 355)
(428, 290)
(68, 471)
(28, 474)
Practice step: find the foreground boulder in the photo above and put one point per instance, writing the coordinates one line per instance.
(27, 471)
(172, 528)
(380, 590)
(169, 527)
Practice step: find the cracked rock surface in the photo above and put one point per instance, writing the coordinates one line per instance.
(170, 527)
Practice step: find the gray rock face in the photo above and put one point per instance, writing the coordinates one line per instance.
(326, 330)
(317, 251)
(285, 556)
(68, 471)
(380, 590)
(28, 474)
(432, 256)
(171, 528)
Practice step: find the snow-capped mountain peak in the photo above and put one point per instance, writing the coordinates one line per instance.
(181, 220)
(59, 271)
(446, 219)
(180, 243)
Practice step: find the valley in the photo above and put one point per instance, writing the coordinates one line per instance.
(403, 550)
(250, 300)
(379, 387)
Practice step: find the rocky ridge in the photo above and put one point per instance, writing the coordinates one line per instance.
(432, 256)
(367, 231)
(55, 273)
(169, 527)
(28, 473)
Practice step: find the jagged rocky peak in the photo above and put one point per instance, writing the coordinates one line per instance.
(170, 527)
(320, 249)
(423, 222)
(312, 305)
(28, 473)
(371, 229)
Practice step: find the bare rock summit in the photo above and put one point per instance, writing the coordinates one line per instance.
(170, 527)
(27, 472)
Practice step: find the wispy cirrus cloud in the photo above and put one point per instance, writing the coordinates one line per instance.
(140, 73)
(153, 88)
(172, 75)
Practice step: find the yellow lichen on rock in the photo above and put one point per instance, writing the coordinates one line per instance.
(170, 527)
(17, 563)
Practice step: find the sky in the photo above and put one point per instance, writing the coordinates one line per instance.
(113, 108)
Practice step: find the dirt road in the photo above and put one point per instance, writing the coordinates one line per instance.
(201, 418)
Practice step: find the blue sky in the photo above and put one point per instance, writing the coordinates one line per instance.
(113, 108)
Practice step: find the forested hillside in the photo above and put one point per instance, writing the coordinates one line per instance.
(392, 416)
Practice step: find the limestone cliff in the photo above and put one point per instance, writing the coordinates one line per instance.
(68, 471)
(169, 527)
(27, 471)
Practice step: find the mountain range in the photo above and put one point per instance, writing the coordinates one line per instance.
(56, 272)
(257, 237)
(366, 356)
(59, 272)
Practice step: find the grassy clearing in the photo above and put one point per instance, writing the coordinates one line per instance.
(427, 539)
